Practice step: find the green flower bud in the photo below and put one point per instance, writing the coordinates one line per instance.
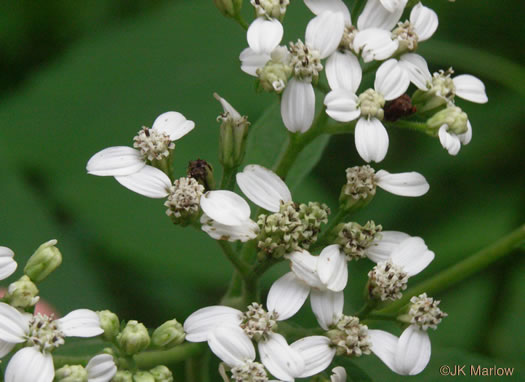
(455, 118)
(169, 334)
(45, 260)
(161, 374)
(22, 293)
(359, 189)
(143, 376)
(110, 323)
(74, 373)
(229, 8)
(123, 376)
(134, 338)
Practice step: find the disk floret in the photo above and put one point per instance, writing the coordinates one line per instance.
(387, 280)
(442, 84)
(347, 42)
(355, 239)
(250, 371)
(360, 183)
(424, 312)
(349, 337)
(44, 333)
(406, 34)
(305, 61)
(273, 76)
(153, 144)
(371, 104)
(270, 8)
(257, 323)
(183, 199)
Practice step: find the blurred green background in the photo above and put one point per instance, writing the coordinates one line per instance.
(81, 76)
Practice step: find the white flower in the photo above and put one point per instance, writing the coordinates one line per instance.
(411, 184)
(41, 334)
(406, 355)
(101, 368)
(452, 142)
(7, 264)
(129, 165)
(470, 88)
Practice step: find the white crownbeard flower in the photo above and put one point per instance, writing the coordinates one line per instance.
(465, 86)
(406, 355)
(129, 166)
(41, 334)
(7, 264)
(452, 142)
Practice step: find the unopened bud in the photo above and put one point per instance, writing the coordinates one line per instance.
(43, 262)
(229, 8)
(161, 374)
(169, 334)
(455, 118)
(110, 323)
(123, 376)
(74, 373)
(22, 293)
(202, 172)
(134, 338)
(143, 376)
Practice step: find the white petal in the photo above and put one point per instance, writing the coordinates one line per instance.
(404, 184)
(304, 266)
(231, 345)
(101, 368)
(319, 6)
(466, 137)
(5, 348)
(280, 359)
(29, 365)
(115, 161)
(375, 44)
(417, 69)
(149, 181)
(174, 124)
(298, 106)
(263, 187)
(413, 351)
(384, 345)
(391, 79)
(245, 231)
(332, 268)
(80, 323)
(412, 255)
(264, 35)
(7, 264)
(382, 248)
(375, 15)
(371, 139)
(339, 374)
(392, 5)
(251, 61)
(225, 207)
(470, 88)
(327, 306)
(341, 105)
(203, 321)
(13, 324)
(316, 352)
(343, 71)
(424, 20)
(227, 107)
(286, 296)
(325, 31)
(450, 142)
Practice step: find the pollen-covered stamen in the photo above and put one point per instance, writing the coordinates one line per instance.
(250, 371)
(184, 197)
(257, 323)
(387, 280)
(349, 337)
(406, 35)
(153, 145)
(44, 333)
(371, 104)
(355, 239)
(360, 183)
(305, 61)
(270, 8)
(424, 312)
(347, 42)
(442, 84)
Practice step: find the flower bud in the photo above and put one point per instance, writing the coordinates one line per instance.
(45, 260)
(229, 8)
(233, 133)
(202, 172)
(123, 376)
(452, 116)
(161, 374)
(359, 189)
(169, 334)
(109, 322)
(22, 293)
(74, 373)
(133, 338)
(143, 376)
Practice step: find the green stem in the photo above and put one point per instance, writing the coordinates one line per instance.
(461, 270)
(234, 258)
(416, 126)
